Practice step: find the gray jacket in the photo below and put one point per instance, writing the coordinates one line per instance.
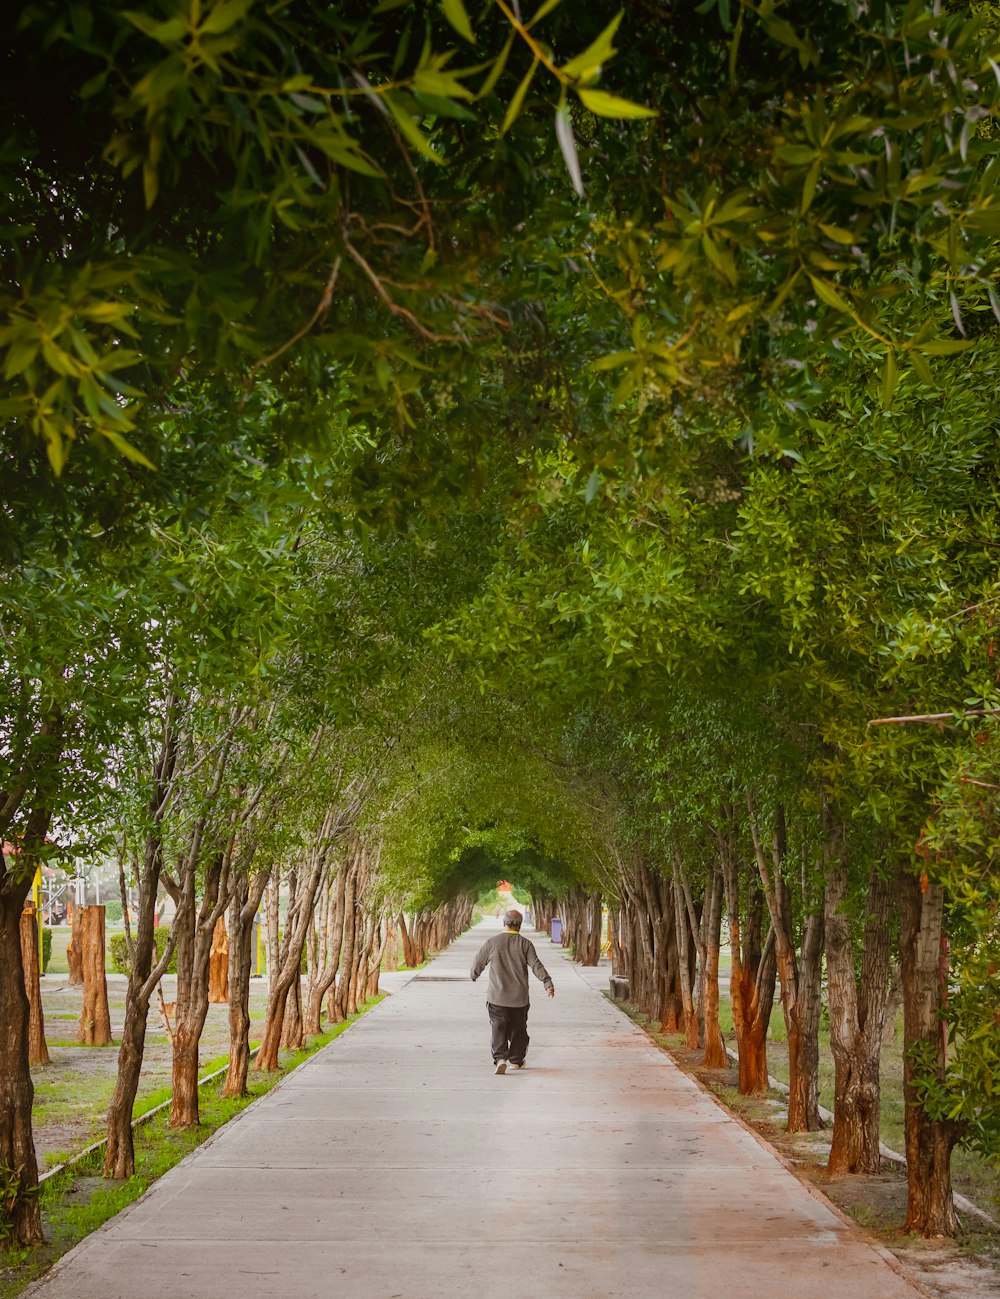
(508, 955)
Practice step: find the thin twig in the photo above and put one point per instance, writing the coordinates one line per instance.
(394, 307)
(934, 717)
(321, 310)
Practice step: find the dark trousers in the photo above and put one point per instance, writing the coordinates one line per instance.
(508, 1032)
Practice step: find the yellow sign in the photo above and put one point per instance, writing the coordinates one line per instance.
(36, 897)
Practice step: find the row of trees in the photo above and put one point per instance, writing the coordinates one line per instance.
(419, 469)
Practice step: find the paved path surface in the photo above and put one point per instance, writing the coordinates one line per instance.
(394, 1165)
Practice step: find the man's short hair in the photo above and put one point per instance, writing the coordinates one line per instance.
(512, 919)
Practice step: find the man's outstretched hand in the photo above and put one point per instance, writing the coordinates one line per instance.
(550, 992)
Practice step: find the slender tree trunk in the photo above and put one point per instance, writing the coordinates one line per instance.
(751, 983)
(715, 1047)
(119, 1152)
(292, 1033)
(682, 930)
(350, 946)
(19, 1211)
(298, 920)
(809, 1010)
(326, 985)
(930, 1207)
(38, 1051)
(409, 956)
(95, 1017)
(801, 1013)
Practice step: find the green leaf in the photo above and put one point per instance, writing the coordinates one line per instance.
(605, 105)
(442, 107)
(837, 233)
(454, 11)
(409, 128)
(515, 105)
(613, 360)
(922, 370)
(945, 346)
(593, 485)
(888, 379)
(798, 155)
(225, 15)
(828, 294)
(597, 53)
(546, 8)
(495, 73)
(127, 449)
(809, 186)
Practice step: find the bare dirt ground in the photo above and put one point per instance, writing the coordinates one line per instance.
(965, 1269)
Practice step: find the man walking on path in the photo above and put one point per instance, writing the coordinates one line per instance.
(509, 955)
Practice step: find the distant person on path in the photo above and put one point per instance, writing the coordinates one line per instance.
(509, 955)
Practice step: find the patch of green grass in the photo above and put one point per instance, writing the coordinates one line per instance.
(77, 1201)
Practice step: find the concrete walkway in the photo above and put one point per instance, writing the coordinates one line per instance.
(394, 1165)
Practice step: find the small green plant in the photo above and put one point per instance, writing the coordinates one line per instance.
(46, 949)
(12, 1194)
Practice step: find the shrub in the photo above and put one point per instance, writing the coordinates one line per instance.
(119, 950)
(113, 912)
(46, 948)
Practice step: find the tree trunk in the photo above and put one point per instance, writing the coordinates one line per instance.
(74, 952)
(244, 903)
(930, 1207)
(350, 946)
(20, 1214)
(809, 1010)
(95, 1017)
(332, 944)
(801, 1012)
(751, 983)
(38, 1051)
(682, 932)
(715, 1047)
(184, 1112)
(218, 965)
(409, 955)
(390, 959)
(119, 1154)
(292, 1034)
(194, 929)
(856, 1015)
(298, 920)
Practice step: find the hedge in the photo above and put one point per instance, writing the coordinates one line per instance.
(119, 950)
